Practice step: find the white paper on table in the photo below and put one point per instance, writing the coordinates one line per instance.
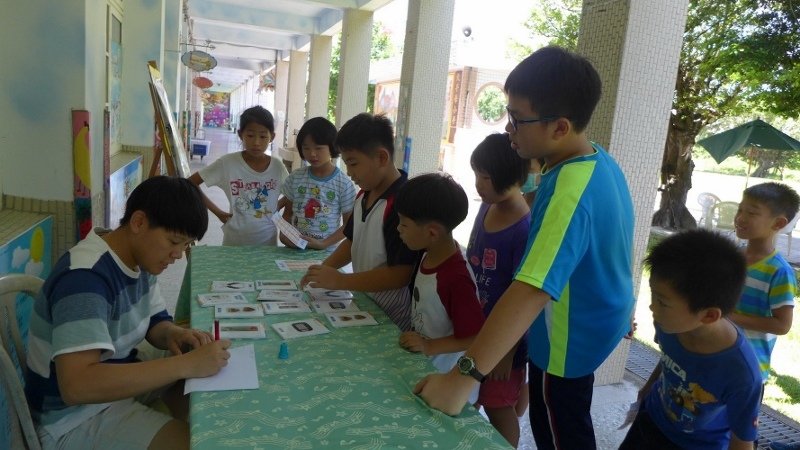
(240, 373)
(289, 231)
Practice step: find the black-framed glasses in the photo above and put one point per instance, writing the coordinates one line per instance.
(514, 121)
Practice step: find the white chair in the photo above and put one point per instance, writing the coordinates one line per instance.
(23, 433)
(706, 200)
(722, 216)
(787, 231)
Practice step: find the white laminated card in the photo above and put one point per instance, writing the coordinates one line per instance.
(351, 319)
(214, 299)
(285, 307)
(271, 295)
(300, 328)
(238, 311)
(232, 286)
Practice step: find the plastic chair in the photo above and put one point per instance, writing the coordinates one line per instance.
(706, 200)
(23, 433)
(787, 231)
(722, 216)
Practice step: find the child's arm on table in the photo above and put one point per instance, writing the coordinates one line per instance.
(381, 278)
(168, 336)
(511, 317)
(780, 323)
(415, 342)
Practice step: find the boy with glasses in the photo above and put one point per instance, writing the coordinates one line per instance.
(573, 291)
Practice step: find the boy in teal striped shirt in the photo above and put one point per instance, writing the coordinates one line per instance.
(767, 303)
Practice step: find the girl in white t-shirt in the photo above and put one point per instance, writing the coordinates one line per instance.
(319, 197)
(252, 181)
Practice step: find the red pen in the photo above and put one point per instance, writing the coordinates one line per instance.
(216, 330)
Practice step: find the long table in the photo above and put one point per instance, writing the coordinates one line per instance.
(350, 388)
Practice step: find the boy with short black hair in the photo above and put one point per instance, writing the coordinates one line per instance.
(577, 266)
(705, 391)
(445, 313)
(99, 303)
(382, 264)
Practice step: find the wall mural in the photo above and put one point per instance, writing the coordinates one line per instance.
(216, 107)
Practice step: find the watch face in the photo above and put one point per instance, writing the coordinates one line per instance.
(465, 364)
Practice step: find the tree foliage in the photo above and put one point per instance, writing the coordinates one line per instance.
(737, 56)
(382, 48)
(556, 20)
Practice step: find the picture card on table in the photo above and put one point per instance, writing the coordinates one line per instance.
(271, 295)
(326, 306)
(351, 319)
(300, 328)
(240, 330)
(232, 286)
(240, 373)
(214, 299)
(301, 265)
(285, 307)
(292, 233)
(276, 285)
(319, 294)
(238, 311)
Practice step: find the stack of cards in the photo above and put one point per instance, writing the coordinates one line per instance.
(276, 285)
(239, 330)
(206, 300)
(326, 306)
(271, 295)
(318, 294)
(300, 328)
(232, 286)
(351, 319)
(238, 311)
(285, 307)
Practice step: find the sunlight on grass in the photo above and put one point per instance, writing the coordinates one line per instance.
(782, 391)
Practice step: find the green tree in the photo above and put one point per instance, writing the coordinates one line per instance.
(382, 48)
(737, 56)
(556, 20)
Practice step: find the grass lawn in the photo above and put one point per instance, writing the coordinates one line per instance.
(782, 391)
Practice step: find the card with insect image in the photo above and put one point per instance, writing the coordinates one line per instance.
(276, 285)
(222, 298)
(300, 328)
(327, 306)
(241, 330)
(285, 307)
(271, 295)
(232, 286)
(238, 311)
(351, 319)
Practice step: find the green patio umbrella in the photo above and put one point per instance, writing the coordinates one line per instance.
(756, 133)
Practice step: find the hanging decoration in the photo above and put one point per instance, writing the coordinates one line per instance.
(199, 61)
(267, 81)
(202, 82)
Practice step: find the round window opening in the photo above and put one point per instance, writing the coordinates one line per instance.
(491, 103)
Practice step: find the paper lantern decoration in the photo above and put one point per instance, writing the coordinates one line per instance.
(202, 82)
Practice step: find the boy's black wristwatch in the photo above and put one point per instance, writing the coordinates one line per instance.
(466, 365)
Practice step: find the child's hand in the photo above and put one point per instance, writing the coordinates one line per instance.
(413, 342)
(314, 243)
(325, 277)
(180, 338)
(632, 330)
(206, 360)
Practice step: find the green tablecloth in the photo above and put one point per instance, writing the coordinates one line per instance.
(349, 389)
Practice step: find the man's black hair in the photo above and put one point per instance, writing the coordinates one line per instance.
(779, 198)
(433, 197)
(495, 156)
(172, 203)
(321, 131)
(366, 133)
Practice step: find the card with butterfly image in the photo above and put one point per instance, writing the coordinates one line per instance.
(351, 319)
(238, 311)
(319, 294)
(300, 328)
(285, 307)
(242, 330)
(220, 298)
(232, 286)
(272, 295)
(326, 306)
(276, 285)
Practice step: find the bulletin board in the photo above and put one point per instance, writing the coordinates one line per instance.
(172, 144)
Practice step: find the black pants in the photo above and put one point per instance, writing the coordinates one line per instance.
(644, 433)
(560, 411)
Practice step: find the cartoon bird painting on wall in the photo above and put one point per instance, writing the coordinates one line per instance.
(82, 161)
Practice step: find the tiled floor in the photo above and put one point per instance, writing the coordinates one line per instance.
(609, 403)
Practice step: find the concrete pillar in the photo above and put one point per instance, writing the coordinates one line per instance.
(635, 46)
(173, 18)
(281, 101)
(319, 76)
(423, 83)
(143, 40)
(351, 98)
(295, 111)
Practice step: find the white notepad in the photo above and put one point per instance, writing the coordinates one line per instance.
(285, 307)
(240, 373)
(300, 328)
